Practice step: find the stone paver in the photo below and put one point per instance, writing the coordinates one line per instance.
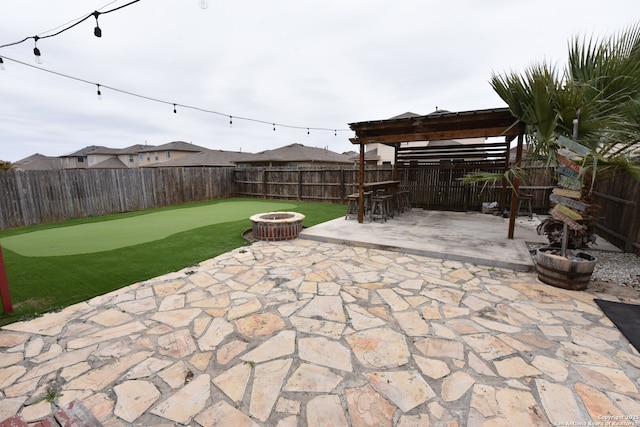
(302, 333)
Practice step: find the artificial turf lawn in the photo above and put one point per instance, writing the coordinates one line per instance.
(122, 232)
(40, 284)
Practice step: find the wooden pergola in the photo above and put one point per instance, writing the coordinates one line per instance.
(444, 125)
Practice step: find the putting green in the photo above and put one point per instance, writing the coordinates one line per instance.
(119, 233)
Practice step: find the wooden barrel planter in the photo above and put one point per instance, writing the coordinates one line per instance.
(572, 273)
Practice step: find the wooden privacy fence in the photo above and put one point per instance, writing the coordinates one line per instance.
(331, 185)
(432, 186)
(438, 186)
(618, 200)
(36, 197)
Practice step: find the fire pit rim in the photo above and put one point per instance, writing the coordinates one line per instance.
(283, 217)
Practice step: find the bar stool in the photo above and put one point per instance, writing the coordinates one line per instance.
(352, 206)
(379, 208)
(397, 202)
(407, 199)
(387, 200)
(368, 203)
(527, 197)
(403, 199)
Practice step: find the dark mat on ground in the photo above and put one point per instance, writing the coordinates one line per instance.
(626, 317)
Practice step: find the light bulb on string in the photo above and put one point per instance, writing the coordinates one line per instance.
(174, 109)
(307, 131)
(2, 64)
(274, 127)
(231, 121)
(97, 31)
(98, 92)
(203, 4)
(36, 51)
(335, 132)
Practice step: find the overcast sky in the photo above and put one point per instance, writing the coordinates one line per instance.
(305, 63)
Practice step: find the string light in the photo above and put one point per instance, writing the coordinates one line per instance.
(36, 51)
(98, 92)
(174, 109)
(97, 31)
(191, 107)
(2, 67)
(230, 121)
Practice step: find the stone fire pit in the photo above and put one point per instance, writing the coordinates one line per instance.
(276, 225)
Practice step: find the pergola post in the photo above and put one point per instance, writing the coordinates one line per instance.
(516, 190)
(395, 161)
(361, 185)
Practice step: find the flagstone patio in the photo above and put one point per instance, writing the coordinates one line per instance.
(308, 333)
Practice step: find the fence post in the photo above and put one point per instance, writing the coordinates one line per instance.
(4, 287)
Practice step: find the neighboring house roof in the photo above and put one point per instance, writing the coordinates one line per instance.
(206, 158)
(134, 149)
(38, 162)
(368, 156)
(110, 163)
(300, 153)
(91, 149)
(406, 115)
(174, 146)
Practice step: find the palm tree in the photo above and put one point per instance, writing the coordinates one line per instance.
(595, 100)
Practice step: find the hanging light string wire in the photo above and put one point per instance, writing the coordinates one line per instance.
(68, 27)
(74, 20)
(175, 104)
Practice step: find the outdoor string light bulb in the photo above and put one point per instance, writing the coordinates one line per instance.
(203, 4)
(1, 64)
(97, 31)
(98, 92)
(36, 51)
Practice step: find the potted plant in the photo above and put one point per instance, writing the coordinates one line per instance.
(583, 124)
